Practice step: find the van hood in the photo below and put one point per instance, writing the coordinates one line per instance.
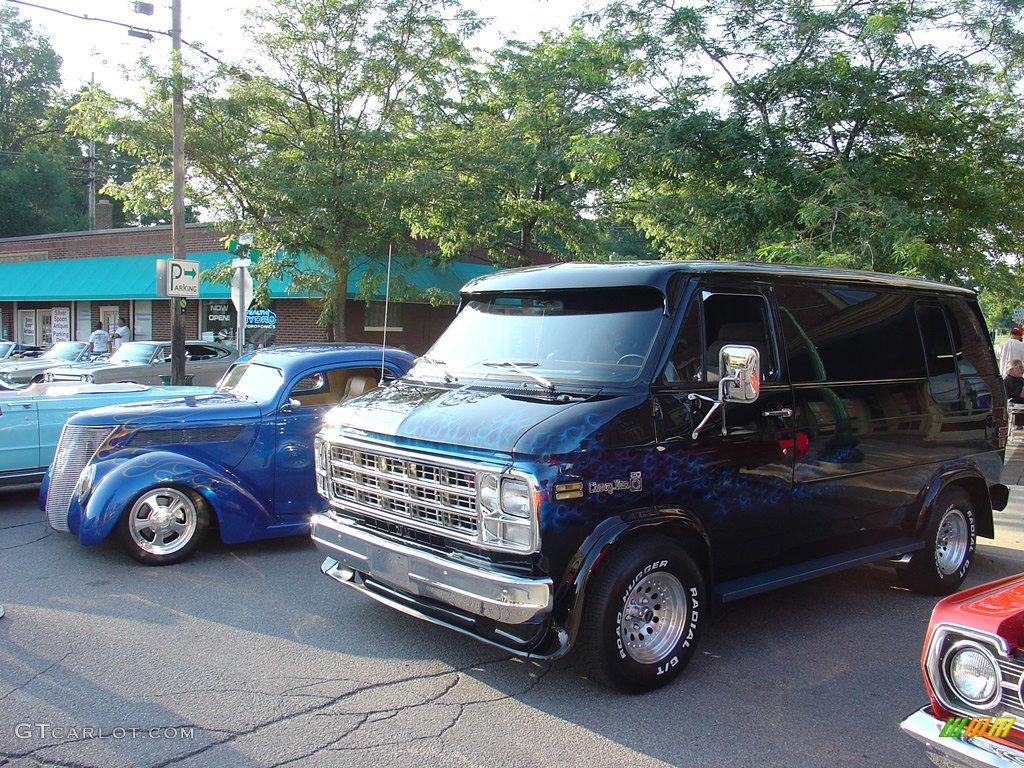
(188, 410)
(485, 419)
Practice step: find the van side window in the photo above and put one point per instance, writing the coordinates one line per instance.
(943, 382)
(845, 333)
(736, 319)
(973, 355)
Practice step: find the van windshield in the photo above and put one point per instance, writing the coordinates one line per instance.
(592, 337)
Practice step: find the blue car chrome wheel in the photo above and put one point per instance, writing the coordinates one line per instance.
(163, 526)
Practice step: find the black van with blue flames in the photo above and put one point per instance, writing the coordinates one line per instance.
(592, 454)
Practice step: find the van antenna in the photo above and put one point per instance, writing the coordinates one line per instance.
(387, 298)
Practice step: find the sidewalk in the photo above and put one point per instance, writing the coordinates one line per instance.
(1006, 550)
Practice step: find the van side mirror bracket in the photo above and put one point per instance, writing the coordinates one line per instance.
(741, 385)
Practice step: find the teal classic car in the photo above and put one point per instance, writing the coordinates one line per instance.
(31, 418)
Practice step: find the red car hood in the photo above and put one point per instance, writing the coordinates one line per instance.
(996, 608)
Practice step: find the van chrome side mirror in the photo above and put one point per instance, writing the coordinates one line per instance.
(741, 374)
(740, 382)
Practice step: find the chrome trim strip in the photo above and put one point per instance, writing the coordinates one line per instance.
(963, 750)
(500, 597)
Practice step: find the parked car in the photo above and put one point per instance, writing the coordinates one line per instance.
(25, 369)
(973, 674)
(591, 454)
(31, 419)
(241, 458)
(9, 349)
(149, 362)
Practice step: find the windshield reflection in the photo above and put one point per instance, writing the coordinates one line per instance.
(252, 381)
(590, 337)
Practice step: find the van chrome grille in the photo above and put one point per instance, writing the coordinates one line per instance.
(423, 492)
(76, 447)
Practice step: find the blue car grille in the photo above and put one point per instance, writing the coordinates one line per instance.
(76, 447)
(420, 491)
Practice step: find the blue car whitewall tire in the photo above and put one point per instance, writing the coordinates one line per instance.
(163, 526)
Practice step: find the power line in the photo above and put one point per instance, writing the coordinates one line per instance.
(134, 30)
(86, 17)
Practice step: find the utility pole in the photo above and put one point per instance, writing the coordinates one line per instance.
(92, 173)
(178, 205)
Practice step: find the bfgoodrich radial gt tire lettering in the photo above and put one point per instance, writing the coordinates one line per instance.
(163, 526)
(643, 612)
(941, 567)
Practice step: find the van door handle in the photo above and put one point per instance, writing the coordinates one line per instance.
(781, 413)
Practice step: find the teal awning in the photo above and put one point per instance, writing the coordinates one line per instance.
(105, 278)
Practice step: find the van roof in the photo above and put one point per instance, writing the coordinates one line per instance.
(599, 274)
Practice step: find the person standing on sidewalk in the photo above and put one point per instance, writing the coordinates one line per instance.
(121, 334)
(100, 340)
(1011, 349)
(1014, 383)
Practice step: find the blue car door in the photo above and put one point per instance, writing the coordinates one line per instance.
(298, 420)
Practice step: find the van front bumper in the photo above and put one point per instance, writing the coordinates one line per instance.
(352, 551)
(967, 751)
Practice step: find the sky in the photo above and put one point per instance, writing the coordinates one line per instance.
(92, 48)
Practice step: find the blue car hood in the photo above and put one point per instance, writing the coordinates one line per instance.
(484, 420)
(178, 410)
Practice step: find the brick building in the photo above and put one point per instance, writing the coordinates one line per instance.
(56, 287)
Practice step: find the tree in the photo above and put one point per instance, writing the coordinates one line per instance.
(502, 172)
(873, 135)
(307, 150)
(41, 188)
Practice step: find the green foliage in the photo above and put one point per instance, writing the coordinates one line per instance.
(41, 170)
(307, 151)
(884, 136)
(516, 167)
(839, 135)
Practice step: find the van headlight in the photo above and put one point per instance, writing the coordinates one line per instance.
(508, 512)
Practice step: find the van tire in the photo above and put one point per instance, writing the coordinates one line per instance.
(642, 615)
(952, 534)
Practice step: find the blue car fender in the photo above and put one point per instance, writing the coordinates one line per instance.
(118, 483)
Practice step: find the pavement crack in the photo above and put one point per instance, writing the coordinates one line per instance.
(364, 718)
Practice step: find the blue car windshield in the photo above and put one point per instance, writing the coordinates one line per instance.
(586, 337)
(252, 381)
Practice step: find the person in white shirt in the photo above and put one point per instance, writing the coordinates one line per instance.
(1011, 349)
(121, 334)
(100, 340)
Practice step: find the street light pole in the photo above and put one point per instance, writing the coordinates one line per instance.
(178, 192)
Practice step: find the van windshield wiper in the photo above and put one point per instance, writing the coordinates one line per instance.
(520, 369)
(448, 378)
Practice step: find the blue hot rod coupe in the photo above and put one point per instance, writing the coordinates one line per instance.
(240, 458)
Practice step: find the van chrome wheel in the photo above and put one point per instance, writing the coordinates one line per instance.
(653, 617)
(951, 541)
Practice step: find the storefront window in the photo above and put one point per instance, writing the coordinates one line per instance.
(219, 321)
